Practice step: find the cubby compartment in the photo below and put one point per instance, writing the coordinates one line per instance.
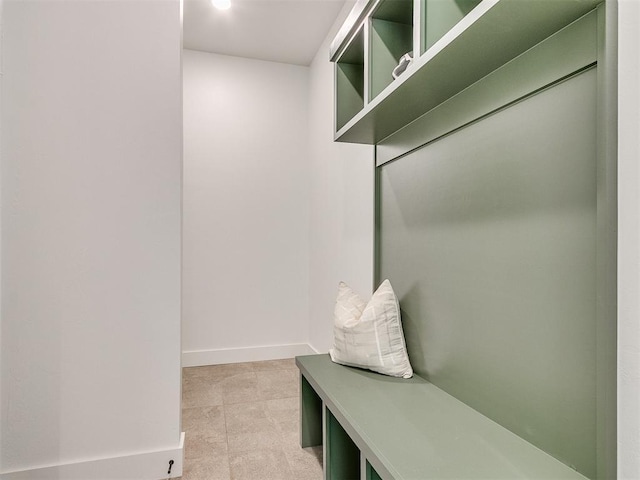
(391, 36)
(310, 415)
(350, 81)
(439, 16)
(342, 456)
(371, 473)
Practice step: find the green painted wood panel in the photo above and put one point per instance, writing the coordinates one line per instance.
(350, 91)
(488, 236)
(389, 42)
(343, 456)
(438, 16)
(350, 81)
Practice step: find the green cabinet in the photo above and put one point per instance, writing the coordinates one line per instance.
(496, 204)
(454, 44)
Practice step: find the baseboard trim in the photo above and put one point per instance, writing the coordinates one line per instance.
(142, 466)
(197, 358)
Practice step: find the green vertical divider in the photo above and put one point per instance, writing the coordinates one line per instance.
(607, 237)
(343, 456)
(310, 415)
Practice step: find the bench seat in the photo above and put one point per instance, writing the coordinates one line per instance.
(407, 429)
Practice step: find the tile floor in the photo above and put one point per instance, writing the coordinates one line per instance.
(241, 423)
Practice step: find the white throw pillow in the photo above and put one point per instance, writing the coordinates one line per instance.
(369, 335)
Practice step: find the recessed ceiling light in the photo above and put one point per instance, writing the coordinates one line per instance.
(221, 4)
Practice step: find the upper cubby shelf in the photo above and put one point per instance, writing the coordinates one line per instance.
(350, 80)
(454, 43)
(390, 37)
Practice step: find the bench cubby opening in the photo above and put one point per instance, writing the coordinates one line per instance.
(342, 456)
(310, 415)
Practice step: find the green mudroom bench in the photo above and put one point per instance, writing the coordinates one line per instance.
(377, 427)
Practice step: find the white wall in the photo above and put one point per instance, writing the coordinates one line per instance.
(246, 213)
(275, 212)
(91, 168)
(629, 240)
(342, 201)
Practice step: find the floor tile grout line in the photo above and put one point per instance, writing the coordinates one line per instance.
(226, 438)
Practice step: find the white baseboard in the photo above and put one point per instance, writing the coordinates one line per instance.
(198, 358)
(142, 466)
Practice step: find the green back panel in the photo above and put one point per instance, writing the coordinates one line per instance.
(488, 236)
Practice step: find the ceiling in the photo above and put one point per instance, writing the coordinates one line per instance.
(287, 31)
